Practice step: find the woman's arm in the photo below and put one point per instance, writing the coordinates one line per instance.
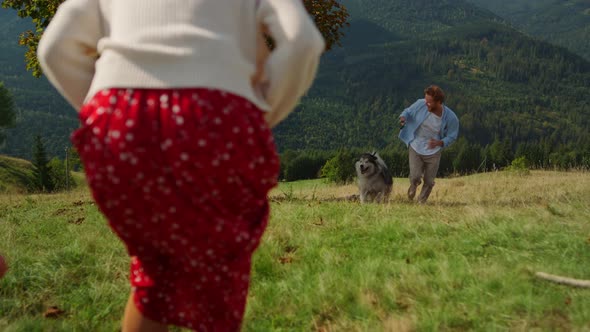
(292, 65)
(67, 50)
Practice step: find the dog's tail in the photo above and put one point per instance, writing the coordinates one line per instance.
(385, 173)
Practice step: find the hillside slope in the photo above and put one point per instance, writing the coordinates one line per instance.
(16, 175)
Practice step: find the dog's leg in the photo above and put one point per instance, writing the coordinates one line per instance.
(379, 197)
(363, 197)
(386, 194)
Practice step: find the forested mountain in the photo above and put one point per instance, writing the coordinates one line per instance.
(562, 22)
(40, 109)
(502, 84)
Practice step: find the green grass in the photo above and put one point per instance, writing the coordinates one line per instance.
(464, 262)
(16, 175)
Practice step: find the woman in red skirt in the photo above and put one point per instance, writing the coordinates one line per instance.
(176, 109)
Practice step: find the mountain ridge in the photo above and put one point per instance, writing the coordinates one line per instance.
(541, 19)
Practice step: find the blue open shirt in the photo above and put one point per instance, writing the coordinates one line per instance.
(416, 114)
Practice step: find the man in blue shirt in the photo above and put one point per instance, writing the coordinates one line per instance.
(428, 126)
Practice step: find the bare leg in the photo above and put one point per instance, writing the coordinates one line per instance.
(134, 321)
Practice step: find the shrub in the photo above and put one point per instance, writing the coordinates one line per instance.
(340, 168)
(520, 166)
(57, 173)
(303, 167)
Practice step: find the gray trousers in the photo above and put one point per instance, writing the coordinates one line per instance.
(426, 166)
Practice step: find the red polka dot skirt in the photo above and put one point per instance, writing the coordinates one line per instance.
(182, 177)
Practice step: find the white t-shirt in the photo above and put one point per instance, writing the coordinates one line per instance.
(429, 129)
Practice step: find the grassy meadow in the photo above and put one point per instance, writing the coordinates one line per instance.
(463, 262)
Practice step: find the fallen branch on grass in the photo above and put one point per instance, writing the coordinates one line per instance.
(564, 280)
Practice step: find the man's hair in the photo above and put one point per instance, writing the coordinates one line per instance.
(436, 93)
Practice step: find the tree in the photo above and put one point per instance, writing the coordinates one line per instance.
(7, 114)
(41, 12)
(340, 168)
(305, 166)
(74, 160)
(42, 172)
(329, 15)
(468, 158)
(58, 173)
(501, 152)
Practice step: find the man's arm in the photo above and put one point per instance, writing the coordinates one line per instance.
(452, 132)
(409, 112)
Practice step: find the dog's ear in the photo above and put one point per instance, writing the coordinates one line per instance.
(369, 156)
(375, 155)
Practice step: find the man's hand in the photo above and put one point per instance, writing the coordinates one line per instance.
(433, 143)
(402, 121)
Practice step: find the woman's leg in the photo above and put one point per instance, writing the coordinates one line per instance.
(134, 321)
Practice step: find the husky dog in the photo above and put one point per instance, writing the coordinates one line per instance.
(374, 179)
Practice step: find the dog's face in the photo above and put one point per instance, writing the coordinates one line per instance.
(366, 165)
(374, 180)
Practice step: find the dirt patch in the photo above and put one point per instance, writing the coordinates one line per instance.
(60, 212)
(554, 320)
(77, 221)
(53, 312)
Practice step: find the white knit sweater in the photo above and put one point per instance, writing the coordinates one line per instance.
(96, 44)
